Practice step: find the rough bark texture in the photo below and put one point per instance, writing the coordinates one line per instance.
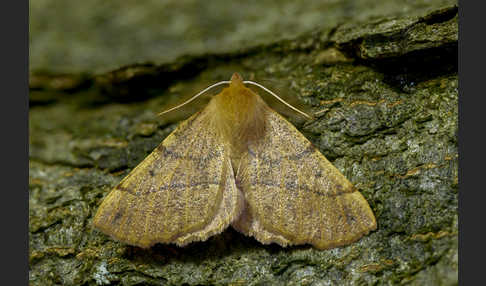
(385, 93)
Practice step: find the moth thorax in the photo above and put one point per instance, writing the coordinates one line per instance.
(238, 116)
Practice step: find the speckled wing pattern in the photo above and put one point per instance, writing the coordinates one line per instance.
(183, 191)
(294, 195)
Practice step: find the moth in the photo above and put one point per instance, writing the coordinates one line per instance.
(237, 162)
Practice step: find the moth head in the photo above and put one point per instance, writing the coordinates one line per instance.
(236, 79)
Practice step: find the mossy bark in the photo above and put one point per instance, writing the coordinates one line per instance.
(384, 94)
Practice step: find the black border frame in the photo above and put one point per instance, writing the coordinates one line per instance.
(14, 207)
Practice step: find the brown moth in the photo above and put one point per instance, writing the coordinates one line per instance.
(237, 162)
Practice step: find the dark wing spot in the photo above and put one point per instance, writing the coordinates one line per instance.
(349, 214)
(118, 215)
(339, 189)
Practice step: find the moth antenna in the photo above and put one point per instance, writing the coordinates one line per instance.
(278, 97)
(194, 97)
